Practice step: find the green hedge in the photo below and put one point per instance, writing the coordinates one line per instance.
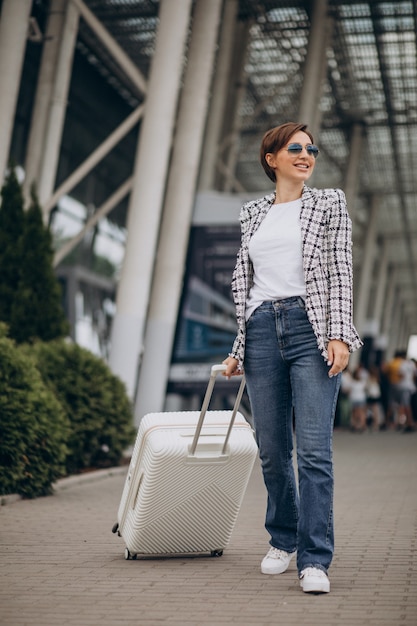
(61, 411)
(95, 401)
(34, 427)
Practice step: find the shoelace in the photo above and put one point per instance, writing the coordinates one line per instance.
(313, 571)
(275, 553)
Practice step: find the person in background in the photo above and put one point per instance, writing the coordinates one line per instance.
(373, 397)
(357, 396)
(407, 387)
(414, 399)
(385, 395)
(392, 371)
(292, 287)
(344, 407)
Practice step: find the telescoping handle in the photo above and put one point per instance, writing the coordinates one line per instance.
(216, 369)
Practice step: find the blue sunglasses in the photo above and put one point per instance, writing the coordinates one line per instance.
(297, 148)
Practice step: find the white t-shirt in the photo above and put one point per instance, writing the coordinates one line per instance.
(408, 373)
(276, 254)
(358, 390)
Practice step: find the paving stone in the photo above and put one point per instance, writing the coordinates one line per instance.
(60, 565)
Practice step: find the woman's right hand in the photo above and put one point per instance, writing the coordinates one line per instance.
(232, 367)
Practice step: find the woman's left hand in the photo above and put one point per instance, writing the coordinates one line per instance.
(338, 356)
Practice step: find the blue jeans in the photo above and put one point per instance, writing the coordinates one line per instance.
(287, 378)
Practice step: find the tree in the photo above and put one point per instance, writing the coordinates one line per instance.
(36, 311)
(12, 223)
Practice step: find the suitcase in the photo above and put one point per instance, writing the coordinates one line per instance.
(186, 480)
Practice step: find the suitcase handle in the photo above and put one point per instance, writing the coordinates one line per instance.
(214, 371)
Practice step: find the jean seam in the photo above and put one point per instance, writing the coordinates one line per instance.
(292, 485)
(330, 444)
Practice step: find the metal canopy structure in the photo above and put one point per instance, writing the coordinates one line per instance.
(370, 81)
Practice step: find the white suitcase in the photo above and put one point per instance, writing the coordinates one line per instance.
(186, 480)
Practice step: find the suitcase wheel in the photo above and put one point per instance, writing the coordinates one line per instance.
(129, 556)
(115, 528)
(216, 553)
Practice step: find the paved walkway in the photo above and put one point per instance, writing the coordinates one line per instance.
(61, 565)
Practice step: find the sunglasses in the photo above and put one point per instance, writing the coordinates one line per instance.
(297, 148)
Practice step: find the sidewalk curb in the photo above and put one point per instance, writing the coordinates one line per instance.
(88, 477)
(9, 499)
(71, 481)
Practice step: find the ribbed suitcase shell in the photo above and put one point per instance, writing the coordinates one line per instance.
(174, 502)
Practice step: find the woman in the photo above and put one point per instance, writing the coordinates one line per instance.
(292, 287)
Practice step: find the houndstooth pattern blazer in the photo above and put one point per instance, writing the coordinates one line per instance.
(327, 261)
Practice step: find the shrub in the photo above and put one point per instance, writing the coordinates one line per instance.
(30, 294)
(36, 311)
(94, 400)
(34, 427)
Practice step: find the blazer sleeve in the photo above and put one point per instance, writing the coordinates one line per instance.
(340, 275)
(242, 276)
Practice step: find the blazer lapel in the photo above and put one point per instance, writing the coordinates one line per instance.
(263, 209)
(311, 219)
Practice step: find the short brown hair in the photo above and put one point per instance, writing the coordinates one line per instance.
(275, 139)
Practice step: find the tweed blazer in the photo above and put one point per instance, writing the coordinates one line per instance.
(326, 231)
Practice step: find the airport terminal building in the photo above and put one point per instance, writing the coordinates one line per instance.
(140, 121)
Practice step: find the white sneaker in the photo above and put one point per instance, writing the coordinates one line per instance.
(314, 580)
(276, 561)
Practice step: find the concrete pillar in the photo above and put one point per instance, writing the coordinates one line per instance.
(381, 283)
(177, 215)
(58, 105)
(235, 91)
(231, 151)
(327, 39)
(361, 300)
(313, 70)
(44, 90)
(351, 182)
(14, 22)
(219, 97)
(394, 333)
(392, 306)
(146, 198)
(404, 330)
(369, 248)
(389, 302)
